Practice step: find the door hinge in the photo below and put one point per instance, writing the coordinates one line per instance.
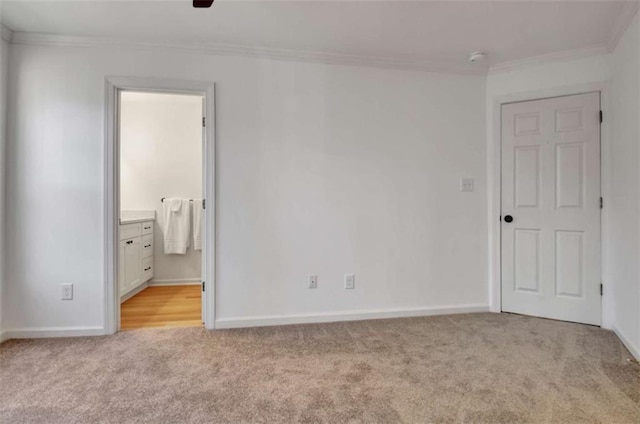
(601, 289)
(204, 203)
(601, 203)
(601, 116)
(204, 121)
(203, 286)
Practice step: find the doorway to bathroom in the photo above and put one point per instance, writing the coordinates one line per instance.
(161, 227)
(161, 207)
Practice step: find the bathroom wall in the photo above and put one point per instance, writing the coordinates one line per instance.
(161, 156)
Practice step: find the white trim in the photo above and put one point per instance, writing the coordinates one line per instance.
(253, 52)
(598, 49)
(113, 85)
(209, 248)
(176, 282)
(629, 11)
(268, 320)
(6, 33)
(4, 336)
(634, 351)
(133, 292)
(494, 183)
(111, 210)
(47, 332)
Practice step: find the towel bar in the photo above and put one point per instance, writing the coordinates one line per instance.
(162, 199)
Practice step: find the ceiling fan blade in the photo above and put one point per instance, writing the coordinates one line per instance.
(202, 3)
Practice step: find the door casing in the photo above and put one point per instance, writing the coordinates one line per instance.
(494, 185)
(111, 201)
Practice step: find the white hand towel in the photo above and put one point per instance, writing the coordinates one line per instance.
(197, 224)
(177, 220)
(174, 204)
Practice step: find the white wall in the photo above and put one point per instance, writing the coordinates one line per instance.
(161, 156)
(321, 170)
(625, 202)
(548, 75)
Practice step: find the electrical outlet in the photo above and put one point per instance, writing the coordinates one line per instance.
(67, 292)
(313, 281)
(349, 281)
(466, 184)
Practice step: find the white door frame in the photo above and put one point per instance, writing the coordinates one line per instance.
(494, 184)
(111, 202)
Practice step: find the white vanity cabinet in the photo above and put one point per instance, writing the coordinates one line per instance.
(130, 264)
(135, 265)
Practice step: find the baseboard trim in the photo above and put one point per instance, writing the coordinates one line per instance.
(50, 332)
(269, 320)
(133, 292)
(635, 352)
(176, 282)
(3, 336)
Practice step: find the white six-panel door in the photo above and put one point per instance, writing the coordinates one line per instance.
(551, 196)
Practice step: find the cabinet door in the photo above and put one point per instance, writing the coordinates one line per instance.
(122, 281)
(133, 263)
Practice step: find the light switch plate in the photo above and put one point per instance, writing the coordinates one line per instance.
(466, 184)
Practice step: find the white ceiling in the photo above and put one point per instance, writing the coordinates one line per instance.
(438, 32)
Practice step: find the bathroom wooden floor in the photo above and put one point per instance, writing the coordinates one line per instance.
(165, 306)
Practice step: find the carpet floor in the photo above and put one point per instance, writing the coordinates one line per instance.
(473, 368)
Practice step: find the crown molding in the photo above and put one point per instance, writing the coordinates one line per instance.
(598, 49)
(5, 33)
(29, 38)
(629, 11)
(626, 16)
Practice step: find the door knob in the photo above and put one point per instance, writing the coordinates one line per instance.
(508, 218)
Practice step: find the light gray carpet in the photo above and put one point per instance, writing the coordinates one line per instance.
(476, 368)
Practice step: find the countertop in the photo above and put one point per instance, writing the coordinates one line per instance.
(132, 217)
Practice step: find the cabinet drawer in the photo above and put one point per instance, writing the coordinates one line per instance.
(147, 269)
(147, 245)
(147, 227)
(128, 231)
